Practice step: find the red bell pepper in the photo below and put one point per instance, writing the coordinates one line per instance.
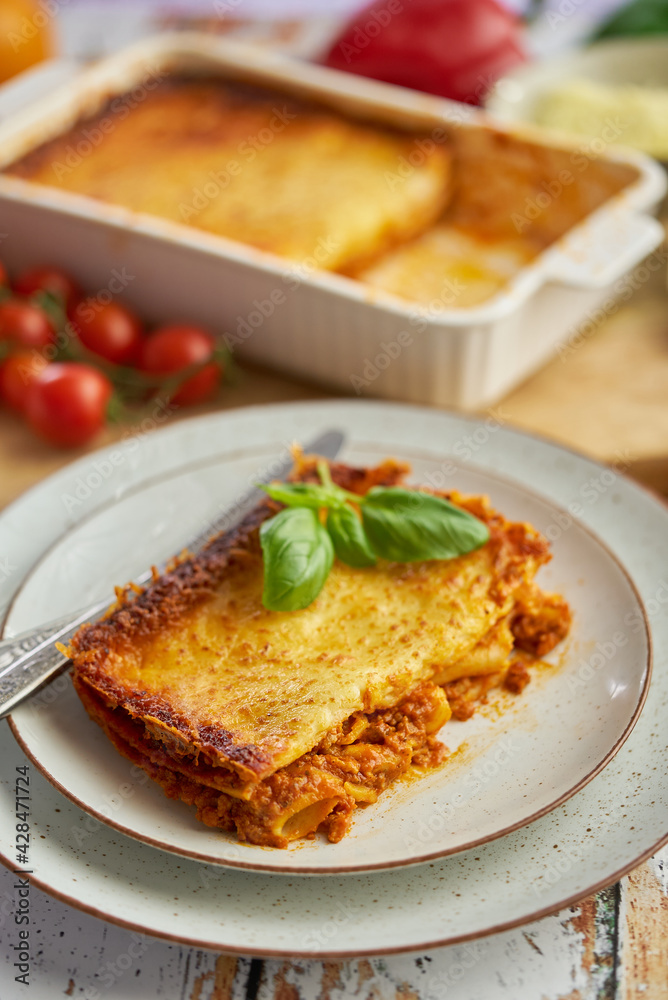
(454, 48)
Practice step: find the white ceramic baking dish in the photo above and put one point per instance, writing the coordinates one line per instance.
(322, 326)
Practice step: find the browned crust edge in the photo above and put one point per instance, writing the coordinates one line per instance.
(195, 577)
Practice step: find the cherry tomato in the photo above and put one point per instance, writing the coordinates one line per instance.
(108, 329)
(25, 324)
(4, 277)
(67, 403)
(17, 374)
(173, 348)
(455, 48)
(49, 279)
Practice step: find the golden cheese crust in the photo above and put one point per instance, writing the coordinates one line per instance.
(210, 671)
(319, 790)
(281, 174)
(278, 724)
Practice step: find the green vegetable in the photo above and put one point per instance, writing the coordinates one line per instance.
(300, 494)
(641, 17)
(407, 526)
(350, 541)
(298, 555)
(397, 525)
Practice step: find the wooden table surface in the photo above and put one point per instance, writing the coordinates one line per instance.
(608, 396)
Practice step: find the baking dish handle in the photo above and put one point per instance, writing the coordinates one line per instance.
(34, 83)
(603, 249)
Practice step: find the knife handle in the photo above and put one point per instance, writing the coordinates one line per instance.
(30, 659)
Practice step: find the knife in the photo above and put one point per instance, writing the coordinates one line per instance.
(30, 660)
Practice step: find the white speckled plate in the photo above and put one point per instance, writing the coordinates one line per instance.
(619, 817)
(513, 763)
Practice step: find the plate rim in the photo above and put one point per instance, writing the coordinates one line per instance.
(344, 953)
(652, 498)
(366, 868)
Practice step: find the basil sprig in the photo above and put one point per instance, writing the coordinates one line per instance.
(298, 555)
(392, 523)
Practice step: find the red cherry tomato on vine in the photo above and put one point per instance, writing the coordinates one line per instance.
(49, 279)
(455, 48)
(173, 348)
(67, 403)
(17, 374)
(108, 329)
(25, 324)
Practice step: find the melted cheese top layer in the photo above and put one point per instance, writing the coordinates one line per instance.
(449, 268)
(276, 682)
(262, 168)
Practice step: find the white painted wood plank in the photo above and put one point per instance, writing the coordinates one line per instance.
(95, 960)
(643, 925)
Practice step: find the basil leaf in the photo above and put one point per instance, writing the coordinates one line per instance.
(298, 555)
(409, 526)
(301, 494)
(350, 542)
(643, 17)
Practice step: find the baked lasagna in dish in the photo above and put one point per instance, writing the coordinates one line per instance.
(261, 167)
(275, 724)
(429, 212)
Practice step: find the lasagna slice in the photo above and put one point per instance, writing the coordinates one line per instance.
(279, 724)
